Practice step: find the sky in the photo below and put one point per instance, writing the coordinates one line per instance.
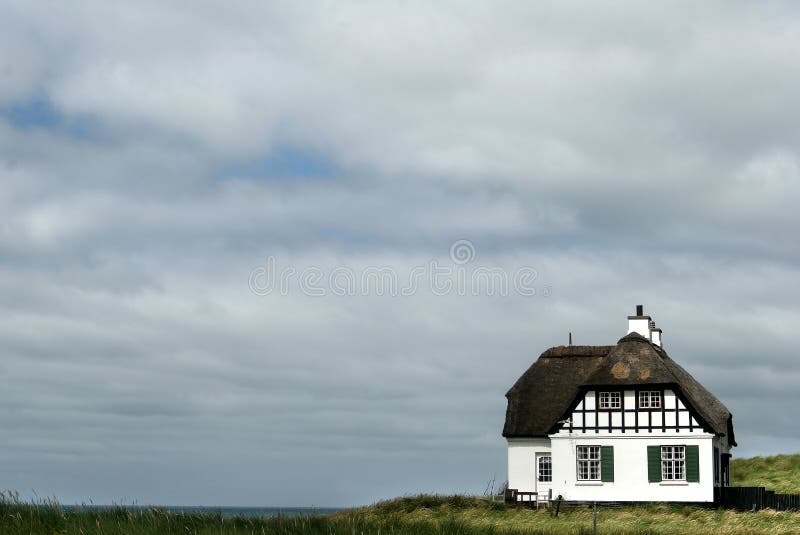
(294, 254)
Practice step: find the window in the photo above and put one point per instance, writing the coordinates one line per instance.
(673, 463)
(649, 399)
(588, 463)
(545, 468)
(610, 400)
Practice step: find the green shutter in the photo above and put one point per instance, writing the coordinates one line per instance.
(692, 464)
(654, 464)
(607, 463)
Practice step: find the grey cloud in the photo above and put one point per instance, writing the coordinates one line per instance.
(630, 155)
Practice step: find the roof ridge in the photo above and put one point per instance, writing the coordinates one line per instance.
(576, 351)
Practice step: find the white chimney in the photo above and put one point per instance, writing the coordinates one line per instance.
(655, 334)
(644, 325)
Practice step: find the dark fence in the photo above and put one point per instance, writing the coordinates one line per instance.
(755, 499)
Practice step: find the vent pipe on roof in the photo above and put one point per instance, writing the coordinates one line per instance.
(644, 325)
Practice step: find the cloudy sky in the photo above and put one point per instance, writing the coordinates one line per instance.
(196, 196)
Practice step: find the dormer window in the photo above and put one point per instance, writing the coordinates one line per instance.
(650, 399)
(610, 400)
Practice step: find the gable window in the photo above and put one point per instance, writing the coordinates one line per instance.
(650, 399)
(588, 463)
(545, 468)
(610, 400)
(673, 463)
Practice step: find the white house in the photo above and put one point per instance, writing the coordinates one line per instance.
(616, 423)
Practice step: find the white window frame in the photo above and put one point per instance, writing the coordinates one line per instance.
(610, 400)
(673, 463)
(544, 469)
(649, 399)
(588, 459)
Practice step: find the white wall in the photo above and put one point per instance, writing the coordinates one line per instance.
(630, 454)
(640, 325)
(522, 461)
(630, 469)
(655, 337)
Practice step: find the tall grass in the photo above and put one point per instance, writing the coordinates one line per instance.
(426, 514)
(415, 515)
(780, 473)
(460, 514)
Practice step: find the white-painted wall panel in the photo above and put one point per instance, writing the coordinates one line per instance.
(669, 399)
(630, 419)
(630, 469)
(589, 400)
(630, 399)
(669, 418)
(522, 461)
(656, 418)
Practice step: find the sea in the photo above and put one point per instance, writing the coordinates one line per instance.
(226, 512)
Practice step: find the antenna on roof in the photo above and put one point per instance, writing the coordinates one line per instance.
(570, 338)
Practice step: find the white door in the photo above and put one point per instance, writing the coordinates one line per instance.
(544, 475)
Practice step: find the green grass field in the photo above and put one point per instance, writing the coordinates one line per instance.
(427, 514)
(780, 473)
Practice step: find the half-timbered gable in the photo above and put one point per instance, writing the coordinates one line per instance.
(616, 423)
(646, 409)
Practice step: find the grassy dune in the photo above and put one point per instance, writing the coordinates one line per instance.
(780, 473)
(425, 514)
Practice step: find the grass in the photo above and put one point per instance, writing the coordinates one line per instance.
(426, 514)
(780, 473)
(415, 515)
(459, 514)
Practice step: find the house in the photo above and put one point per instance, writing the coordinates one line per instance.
(616, 423)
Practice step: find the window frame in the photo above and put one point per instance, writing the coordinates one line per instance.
(650, 406)
(673, 462)
(592, 464)
(610, 394)
(544, 474)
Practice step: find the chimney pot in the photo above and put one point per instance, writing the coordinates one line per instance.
(639, 310)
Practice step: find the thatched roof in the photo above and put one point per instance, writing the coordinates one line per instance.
(545, 392)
